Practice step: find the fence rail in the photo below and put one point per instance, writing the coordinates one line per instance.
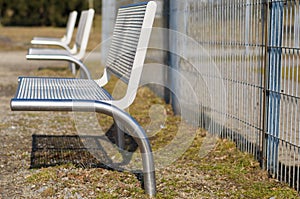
(242, 58)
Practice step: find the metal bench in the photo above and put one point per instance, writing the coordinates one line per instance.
(72, 55)
(65, 40)
(125, 61)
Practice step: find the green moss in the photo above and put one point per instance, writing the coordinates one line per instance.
(42, 176)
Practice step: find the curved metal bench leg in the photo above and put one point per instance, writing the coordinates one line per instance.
(141, 138)
(136, 132)
(119, 115)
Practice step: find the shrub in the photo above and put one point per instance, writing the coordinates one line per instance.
(39, 12)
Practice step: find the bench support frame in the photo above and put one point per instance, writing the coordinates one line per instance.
(79, 96)
(101, 107)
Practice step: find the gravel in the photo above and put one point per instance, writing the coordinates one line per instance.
(16, 128)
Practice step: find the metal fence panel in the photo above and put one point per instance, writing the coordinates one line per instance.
(231, 34)
(242, 60)
(254, 45)
(287, 137)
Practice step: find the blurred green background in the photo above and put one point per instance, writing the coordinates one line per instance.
(42, 12)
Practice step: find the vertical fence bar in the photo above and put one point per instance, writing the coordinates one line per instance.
(173, 24)
(247, 25)
(273, 101)
(297, 25)
(178, 23)
(174, 60)
(265, 69)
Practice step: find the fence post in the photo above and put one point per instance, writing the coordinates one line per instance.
(108, 18)
(265, 14)
(177, 22)
(273, 84)
(297, 26)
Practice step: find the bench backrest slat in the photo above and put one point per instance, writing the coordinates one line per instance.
(127, 51)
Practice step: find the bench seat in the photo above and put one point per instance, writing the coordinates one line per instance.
(82, 95)
(39, 88)
(47, 51)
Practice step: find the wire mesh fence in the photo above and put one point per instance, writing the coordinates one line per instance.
(232, 34)
(242, 59)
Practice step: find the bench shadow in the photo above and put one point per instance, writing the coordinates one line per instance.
(83, 151)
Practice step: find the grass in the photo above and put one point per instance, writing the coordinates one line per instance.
(224, 173)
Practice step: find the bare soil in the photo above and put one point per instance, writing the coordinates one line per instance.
(224, 173)
(14, 136)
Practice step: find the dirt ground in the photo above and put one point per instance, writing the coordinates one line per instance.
(15, 141)
(190, 178)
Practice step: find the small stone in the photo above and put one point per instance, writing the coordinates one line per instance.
(162, 126)
(42, 189)
(13, 127)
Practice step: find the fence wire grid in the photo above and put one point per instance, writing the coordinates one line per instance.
(254, 46)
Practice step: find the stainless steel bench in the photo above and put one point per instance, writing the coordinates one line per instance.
(125, 61)
(65, 40)
(73, 55)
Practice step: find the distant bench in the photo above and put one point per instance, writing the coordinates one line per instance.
(65, 40)
(125, 61)
(73, 55)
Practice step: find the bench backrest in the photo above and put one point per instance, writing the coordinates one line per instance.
(70, 27)
(83, 32)
(129, 45)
